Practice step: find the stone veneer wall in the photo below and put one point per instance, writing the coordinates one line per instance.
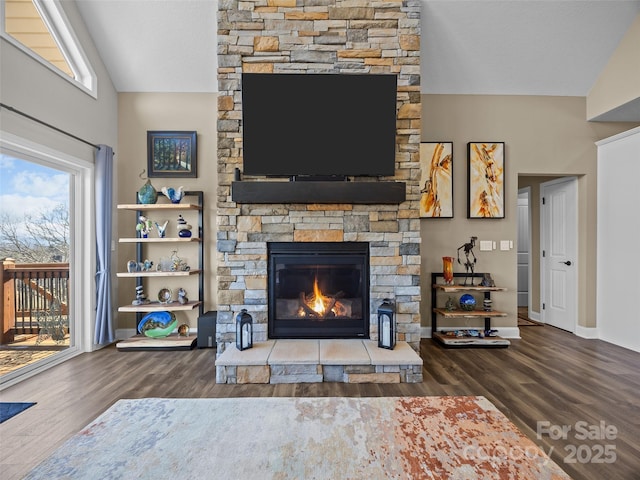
(349, 36)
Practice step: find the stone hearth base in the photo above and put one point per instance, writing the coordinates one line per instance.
(310, 361)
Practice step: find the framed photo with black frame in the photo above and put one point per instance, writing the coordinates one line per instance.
(436, 180)
(172, 154)
(485, 180)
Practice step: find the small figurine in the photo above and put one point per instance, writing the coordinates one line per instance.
(172, 194)
(487, 304)
(177, 264)
(183, 330)
(162, 228)
(182, 296)
(450, 306)
(146, 265)
(141, 298)
(184, 229)
(144, 226)
(487, 281)
(468, 264)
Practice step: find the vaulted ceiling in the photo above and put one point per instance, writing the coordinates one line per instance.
(501, 47)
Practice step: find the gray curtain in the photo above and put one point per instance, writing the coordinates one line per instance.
(105, 331)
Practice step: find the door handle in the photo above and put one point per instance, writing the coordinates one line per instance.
(567, 263)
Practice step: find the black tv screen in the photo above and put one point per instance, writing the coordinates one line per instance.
(318, 124)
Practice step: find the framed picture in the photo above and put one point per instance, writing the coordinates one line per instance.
(172, 154)
(436, 180)
(486, 180)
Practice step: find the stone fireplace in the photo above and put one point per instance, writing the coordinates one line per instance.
(333, 37)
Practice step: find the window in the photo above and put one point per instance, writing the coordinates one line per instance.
(45, 184)
(41, 29)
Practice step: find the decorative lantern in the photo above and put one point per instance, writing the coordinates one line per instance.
(386, 325)
(244, 330)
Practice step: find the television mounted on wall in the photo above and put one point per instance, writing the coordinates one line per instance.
(319, 124)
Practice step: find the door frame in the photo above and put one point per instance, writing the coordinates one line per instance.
(527, 191)
(82, 248)
(544, 226)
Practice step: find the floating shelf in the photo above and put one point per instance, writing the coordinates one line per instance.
(159, 240)
(159, 307)
(319, 192)
(159, 206)
(158, 274)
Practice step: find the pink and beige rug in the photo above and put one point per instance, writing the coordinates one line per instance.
(460, 438)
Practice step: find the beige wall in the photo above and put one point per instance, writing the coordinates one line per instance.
(137, 113)
(619, 82)
(544, 136)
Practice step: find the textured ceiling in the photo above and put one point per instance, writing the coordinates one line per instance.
(502, 47)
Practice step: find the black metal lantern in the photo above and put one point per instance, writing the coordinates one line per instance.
(386, 325)
(244, 330)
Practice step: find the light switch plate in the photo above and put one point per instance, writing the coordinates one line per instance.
(504, 244)
(486, 245)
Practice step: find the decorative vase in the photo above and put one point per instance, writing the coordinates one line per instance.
(147, 194)
(184, 229)
(447, 270)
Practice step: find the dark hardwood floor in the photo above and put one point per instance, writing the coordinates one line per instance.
(549, 378)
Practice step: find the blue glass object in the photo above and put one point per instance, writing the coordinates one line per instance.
(147, 194)
(157, 324)
(467, 302)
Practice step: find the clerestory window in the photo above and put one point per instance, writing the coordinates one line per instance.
(41, 29)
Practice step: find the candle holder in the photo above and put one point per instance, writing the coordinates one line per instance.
(244, 330)
(386, 325)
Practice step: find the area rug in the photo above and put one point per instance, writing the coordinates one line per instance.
(459, 438)
(11, 409)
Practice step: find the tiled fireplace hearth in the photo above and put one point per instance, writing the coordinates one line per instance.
(284, 36)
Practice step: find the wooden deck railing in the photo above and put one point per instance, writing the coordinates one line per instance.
(29, 289)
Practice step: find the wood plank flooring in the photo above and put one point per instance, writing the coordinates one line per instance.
(547, 376)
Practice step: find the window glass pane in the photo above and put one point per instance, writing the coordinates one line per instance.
(35, 236)
(23, 22)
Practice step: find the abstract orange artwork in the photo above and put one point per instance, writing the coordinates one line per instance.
(486, 180)
(436, 181)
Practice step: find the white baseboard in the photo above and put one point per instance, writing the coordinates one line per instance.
(587, 332)
(534, 315)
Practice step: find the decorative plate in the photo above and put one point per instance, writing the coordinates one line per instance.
(157, 324)
(165, 295)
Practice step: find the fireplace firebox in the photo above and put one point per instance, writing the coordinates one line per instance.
(318, 289)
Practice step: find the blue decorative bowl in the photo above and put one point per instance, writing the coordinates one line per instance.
(157, 324)
(467, 302)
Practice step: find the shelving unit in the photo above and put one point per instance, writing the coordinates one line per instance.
(143, 243)
(464, 341)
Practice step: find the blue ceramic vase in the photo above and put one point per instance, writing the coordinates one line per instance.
(147, 194)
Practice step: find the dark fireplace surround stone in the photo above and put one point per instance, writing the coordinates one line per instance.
(332, 37)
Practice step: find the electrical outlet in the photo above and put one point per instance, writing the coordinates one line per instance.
(486, 245)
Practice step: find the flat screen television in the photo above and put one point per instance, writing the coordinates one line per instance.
(319, 125)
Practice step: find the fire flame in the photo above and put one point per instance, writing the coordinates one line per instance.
(319, 301)
(322, 305)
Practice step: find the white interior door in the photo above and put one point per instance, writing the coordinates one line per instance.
(559, 253)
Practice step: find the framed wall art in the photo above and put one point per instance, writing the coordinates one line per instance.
(172, 154)
(486, 180)
(436, 181)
